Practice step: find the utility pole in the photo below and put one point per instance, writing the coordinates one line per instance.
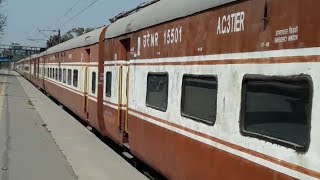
(59, 36)
(59, 33)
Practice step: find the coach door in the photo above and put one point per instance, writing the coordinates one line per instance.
(30, 69)
(86, 92)
(123, 89)
(38, 71)
(44, 71)
(34, 61)
(86, 58)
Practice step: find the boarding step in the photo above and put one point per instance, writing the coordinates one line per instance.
(127, 155)
(126, 145)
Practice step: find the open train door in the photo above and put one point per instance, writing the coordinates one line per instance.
(86, 89)
(44, 72)
(34, 77)
(38, 72)
(85, 58)
(123, 89)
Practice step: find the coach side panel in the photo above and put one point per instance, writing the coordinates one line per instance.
(269, 38)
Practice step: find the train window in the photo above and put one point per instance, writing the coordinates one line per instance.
(57, 73)
(60, 74)
(157, 91)
(93, 82)
(69, 76)
(108, 83)
(53, 73)
(199, 98)
(64, 76)
(75, 78)
(277, 109)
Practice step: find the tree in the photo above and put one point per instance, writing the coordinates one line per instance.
(75, 32)
(52, 41)
(3, 17)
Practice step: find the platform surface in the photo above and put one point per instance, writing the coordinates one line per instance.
(40, 141)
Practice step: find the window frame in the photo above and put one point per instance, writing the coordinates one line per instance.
(60, 75)
(151, 106)
(73, 84)
(69, 73)
(93, 82)
(106, 75)
(199, 120)
(57, 74)
(64, 75)
(274, 140)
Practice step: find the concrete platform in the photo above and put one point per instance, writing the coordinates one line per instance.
(40, 141)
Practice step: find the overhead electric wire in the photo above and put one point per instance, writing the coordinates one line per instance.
(59, 19)
(67, 12)
(73, 17)
(77, 2)
(77, 14)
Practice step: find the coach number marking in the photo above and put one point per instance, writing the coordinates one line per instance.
(172, 36)
(231, 23)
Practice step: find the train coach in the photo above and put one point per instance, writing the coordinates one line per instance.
(223, 89)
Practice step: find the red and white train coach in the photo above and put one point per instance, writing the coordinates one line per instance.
(68, 67)
(207, 89)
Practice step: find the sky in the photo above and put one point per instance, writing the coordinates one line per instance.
(25, 17)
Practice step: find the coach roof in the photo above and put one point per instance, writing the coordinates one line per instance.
(81, 41)
(160, 12)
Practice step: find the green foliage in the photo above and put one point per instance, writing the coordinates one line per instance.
(3, 17)
(75, 32)
(53, 40)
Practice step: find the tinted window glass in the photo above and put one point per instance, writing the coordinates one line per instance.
(278, 109)
(199, 98)
(60, 74)
(57, 74)
(75, 78)
(157, 91)
(93, 83)
(64, 76)
(108, 83)
(69, 76)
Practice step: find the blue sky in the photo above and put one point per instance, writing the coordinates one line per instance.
(26, 16)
